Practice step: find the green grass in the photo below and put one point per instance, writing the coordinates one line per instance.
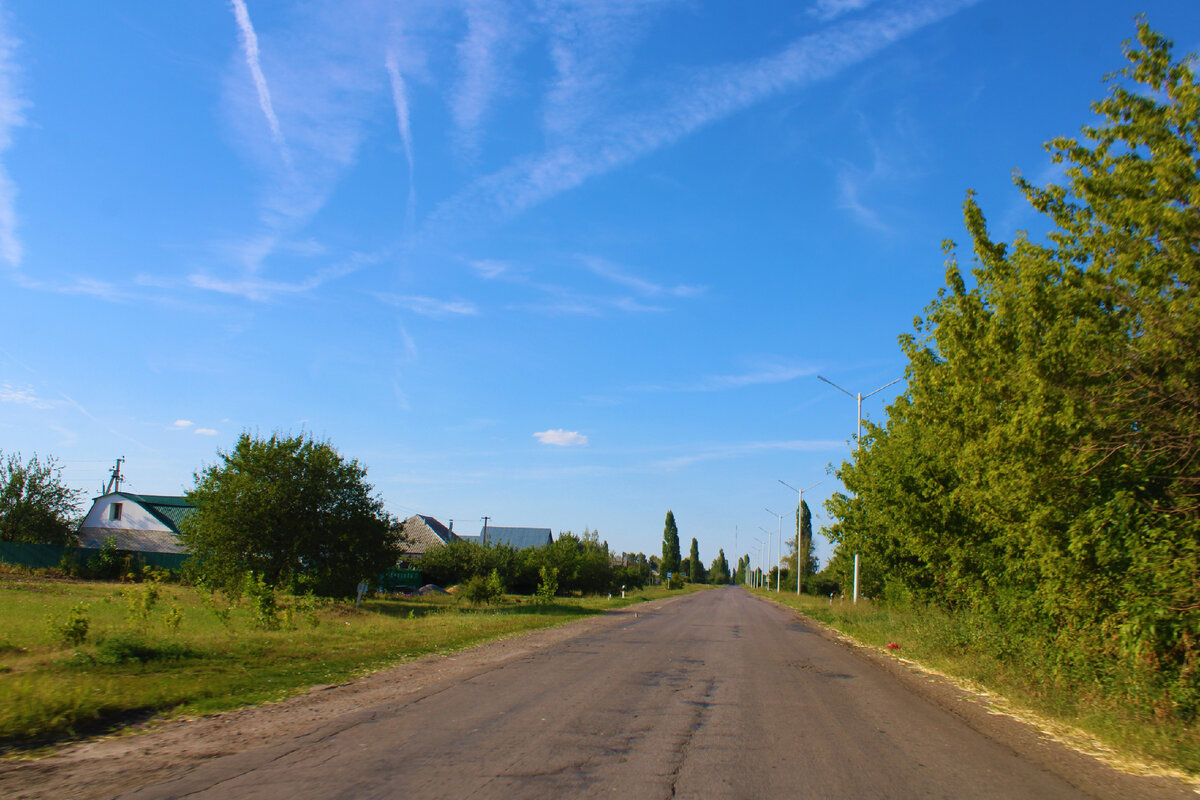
(132, 668)
(957, 647)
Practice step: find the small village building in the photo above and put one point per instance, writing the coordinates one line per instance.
(138, 523)
(423, 533)
(520, 538)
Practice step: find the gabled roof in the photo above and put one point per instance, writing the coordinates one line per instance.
(519, 538)
(170, 510)
(444, 533)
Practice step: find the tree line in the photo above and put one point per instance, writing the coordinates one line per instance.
(1039, 474)
(679, 570)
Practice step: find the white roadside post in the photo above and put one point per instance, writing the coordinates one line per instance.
(859, 397)
(800, 557)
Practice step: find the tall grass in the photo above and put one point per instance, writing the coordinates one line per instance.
(975, 648)
(190, 652)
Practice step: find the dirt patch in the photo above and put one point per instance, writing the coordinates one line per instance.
(106, 767)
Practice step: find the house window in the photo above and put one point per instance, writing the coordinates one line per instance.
(115, 510)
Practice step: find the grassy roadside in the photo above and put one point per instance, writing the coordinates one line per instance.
(186, 652)
(938, 641)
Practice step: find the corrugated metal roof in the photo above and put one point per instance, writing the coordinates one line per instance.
(169, 509)
(519, 538)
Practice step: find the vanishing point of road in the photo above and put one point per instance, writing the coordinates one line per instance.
(715, 694)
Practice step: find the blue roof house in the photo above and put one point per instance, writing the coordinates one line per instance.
(520, 538)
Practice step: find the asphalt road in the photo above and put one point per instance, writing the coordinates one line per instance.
(714, 695)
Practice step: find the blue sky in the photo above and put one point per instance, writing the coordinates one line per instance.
(564, 264)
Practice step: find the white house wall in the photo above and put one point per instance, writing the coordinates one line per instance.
(133, 516)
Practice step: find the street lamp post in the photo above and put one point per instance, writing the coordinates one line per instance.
(767, 565)
(800, 557)
(779, 533)
(859, 397)
(758, 558)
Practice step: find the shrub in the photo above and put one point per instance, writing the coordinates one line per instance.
(72, 630)
(481, 590)
(262, 601)
(107, 563)
(548, 586)
(134, 648)
(140, 600)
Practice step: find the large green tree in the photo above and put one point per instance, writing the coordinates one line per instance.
(293, 510)
(1041, 470)
(670, 548)
(804, 530)
(36, 506)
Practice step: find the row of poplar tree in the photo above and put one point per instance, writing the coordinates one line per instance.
(1040, 472)
(690, 569)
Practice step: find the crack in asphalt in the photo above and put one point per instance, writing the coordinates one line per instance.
(701, 708)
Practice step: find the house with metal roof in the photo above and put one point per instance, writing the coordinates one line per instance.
(423, 533)
(519, 538)
(140, 523)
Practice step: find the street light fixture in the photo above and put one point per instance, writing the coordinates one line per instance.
(800, 557)
(859, 397)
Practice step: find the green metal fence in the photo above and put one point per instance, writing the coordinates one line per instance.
(396, 579)
(51, 555)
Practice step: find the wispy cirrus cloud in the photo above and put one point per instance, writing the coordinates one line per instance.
(561, 438)
(182, 424)
(826, 10)
(249, 40)
(590, 45)
(746, 449)
(429, 306)
(250, 287)
(561, 300)
(400, 104)
(623, 277)
(22, 396)
(697, 102)
(764, 374)
(480, 55)
(12, 116)
(206, 432)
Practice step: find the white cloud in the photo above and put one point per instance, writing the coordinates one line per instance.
(709, 96)
(561, 438)
(491, 269)
(826, 10)
(742, 450)
(487, 28)
(590, 45)
(22, 396)
(12, 108)
(768, 373)
(250, 49)
(183, 423)
(429, 306)
(205, 432)
(619, 275)
(400, 103)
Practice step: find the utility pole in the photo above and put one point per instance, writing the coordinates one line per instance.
(115, 477)
(485, 522)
